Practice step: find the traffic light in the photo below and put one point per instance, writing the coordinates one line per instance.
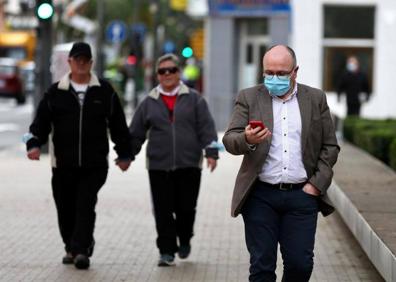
(44, 10)
(131, 60)
(130, 64)
(187, 52)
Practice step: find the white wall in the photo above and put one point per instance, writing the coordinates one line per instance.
(306, 36)
(383, 102)
(306, 40)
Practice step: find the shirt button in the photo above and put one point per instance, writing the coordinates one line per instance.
(285, 151)
(284, 134)
(284, 118)
(284, 168)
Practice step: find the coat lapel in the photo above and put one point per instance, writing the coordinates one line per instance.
(305, 111)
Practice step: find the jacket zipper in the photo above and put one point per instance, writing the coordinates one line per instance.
(80, 128)
(174, 134)
(80, 137)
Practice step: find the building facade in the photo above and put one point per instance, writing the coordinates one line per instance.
(323, 33)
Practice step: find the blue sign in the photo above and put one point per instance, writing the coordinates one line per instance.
(169, 47)
(248, 7)
(116, 32)
(139, 29)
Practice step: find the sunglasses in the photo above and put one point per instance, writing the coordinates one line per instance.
(163, 71)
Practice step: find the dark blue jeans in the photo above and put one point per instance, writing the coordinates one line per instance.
(275, 216)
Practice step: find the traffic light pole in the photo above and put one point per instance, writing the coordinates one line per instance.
(43, 59)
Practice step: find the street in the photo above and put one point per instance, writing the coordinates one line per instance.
(14, 121)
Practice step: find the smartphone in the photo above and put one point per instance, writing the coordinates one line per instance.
(256, 123)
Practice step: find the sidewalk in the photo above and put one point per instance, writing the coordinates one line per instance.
(365, 196)
(31, 248)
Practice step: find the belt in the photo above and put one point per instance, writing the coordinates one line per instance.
(285, 186)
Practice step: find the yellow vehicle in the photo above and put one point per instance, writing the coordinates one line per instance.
(18, 45)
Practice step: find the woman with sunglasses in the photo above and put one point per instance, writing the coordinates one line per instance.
(179, 127)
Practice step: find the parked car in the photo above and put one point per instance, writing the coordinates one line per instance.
(27, 71)
(11, 83)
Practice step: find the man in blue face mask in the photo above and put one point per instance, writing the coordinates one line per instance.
(287, 167)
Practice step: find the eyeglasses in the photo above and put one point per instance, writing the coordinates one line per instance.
(281, 75)
(163, 71)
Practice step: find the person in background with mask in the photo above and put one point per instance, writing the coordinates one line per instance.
(286, 169)
(353, 83)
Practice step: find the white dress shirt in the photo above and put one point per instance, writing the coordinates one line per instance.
(284, 161)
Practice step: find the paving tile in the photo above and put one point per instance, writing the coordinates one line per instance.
(125, 232)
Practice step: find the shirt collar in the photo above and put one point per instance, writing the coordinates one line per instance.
(173, 92)
(291, 96)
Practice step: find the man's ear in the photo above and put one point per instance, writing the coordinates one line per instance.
(295, 71)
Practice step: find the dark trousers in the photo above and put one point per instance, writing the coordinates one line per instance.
(273, 216)
(353, 108)
(174, 196)
(75, 193)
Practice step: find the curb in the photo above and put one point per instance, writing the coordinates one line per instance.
(378, 253)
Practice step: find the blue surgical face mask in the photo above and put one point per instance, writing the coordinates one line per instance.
(352, 67)
(276, 86)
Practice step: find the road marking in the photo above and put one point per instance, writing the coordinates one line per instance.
(9, 127)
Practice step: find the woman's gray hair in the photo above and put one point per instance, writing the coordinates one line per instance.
(167, 57)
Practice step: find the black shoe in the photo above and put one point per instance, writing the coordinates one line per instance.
(166, 260)
(81, 261)
(184, 251)
(68, 259)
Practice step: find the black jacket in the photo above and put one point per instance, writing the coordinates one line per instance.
(79, 134)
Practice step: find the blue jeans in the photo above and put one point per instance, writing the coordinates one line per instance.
(273, 216)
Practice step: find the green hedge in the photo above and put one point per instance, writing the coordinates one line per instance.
(377, 137)
(392, 154)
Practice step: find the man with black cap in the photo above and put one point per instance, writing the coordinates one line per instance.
(77, 112)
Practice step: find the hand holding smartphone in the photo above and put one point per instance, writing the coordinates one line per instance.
(256, 123)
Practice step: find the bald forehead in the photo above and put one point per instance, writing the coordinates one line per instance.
(278, 54)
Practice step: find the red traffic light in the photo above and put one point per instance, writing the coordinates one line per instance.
(131, 60)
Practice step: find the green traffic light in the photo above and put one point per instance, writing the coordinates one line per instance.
(187, 52)
(45, 11)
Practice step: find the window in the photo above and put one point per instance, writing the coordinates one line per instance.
(349, 22)
(257, 26)
(347, 30)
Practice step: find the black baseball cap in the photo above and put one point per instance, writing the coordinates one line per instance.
(80, 49)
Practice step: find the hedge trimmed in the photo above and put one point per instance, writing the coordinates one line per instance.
(377, 137)
(392, 154)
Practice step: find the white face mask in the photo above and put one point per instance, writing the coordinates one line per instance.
(352, 67)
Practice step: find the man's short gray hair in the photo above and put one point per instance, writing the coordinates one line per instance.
(167, 57)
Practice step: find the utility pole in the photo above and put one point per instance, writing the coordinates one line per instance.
(99, 37)
(154, 9)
